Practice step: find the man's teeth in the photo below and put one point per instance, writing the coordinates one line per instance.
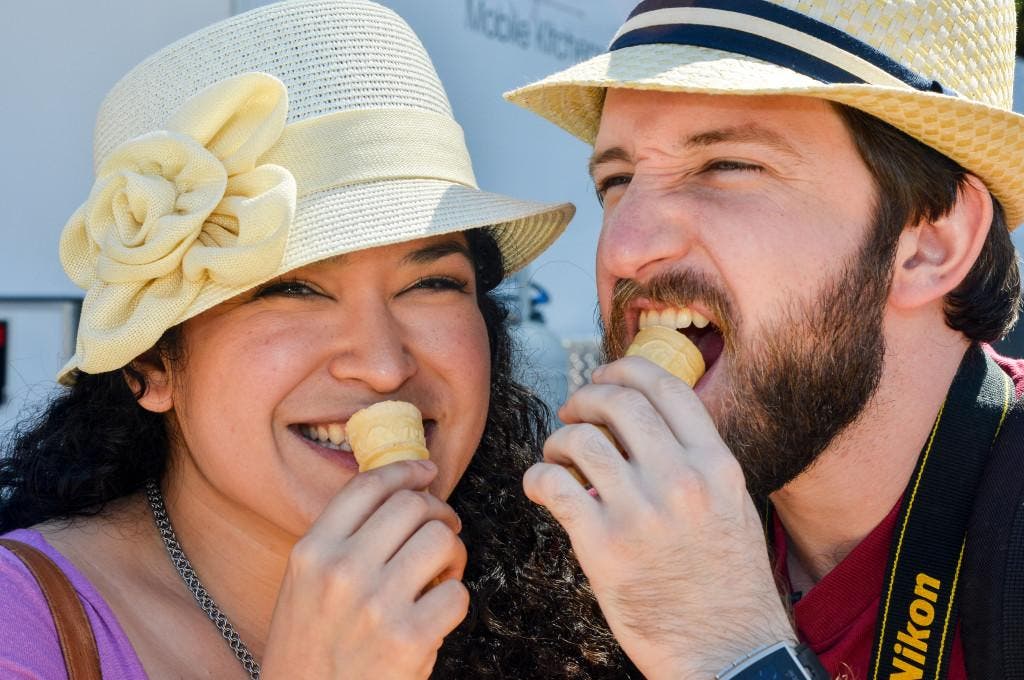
(673, 317)
(331, 435)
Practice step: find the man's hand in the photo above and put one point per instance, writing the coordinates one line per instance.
(671, 542)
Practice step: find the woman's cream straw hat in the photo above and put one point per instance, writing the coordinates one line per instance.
(277, 138)
(940, 70)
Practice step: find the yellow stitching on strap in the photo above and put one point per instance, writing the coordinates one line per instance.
(903, 528)
(949, 610)
(1007, 385)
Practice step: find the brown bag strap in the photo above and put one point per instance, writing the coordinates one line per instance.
(76, 639)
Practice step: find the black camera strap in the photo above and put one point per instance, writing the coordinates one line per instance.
(918, 610)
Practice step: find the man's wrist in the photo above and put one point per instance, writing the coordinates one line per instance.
(784, 660)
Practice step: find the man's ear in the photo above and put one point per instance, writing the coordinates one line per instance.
(933, 257)
(156, 371)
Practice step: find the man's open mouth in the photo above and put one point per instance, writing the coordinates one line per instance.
(702, 332)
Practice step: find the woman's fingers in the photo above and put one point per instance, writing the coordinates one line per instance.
(404, 513)
(351, 596)
(433, 554)
(441, 609)
(365, 493)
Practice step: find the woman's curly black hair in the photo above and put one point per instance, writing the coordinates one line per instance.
(532, 614)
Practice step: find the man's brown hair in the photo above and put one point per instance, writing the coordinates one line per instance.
(913, 182)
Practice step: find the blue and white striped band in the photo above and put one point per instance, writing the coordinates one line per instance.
(770, 33)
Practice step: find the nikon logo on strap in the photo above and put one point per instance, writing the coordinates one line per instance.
(908, 659)
(918, 612)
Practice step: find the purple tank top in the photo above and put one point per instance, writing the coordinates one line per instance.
(28, 640)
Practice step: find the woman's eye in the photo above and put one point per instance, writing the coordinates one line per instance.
(603, 186)
(286, 288)
(440, 283)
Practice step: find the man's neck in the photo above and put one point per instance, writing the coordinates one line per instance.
(828, 510)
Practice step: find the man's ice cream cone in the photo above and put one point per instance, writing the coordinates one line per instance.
(670, 349)
(665, 347)
(386, 432)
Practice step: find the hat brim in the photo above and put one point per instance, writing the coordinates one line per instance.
(986, 140)
(361, 216)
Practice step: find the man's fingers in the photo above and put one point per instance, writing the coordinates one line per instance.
(593, 451)
(633, 421)
(676, 403)
(552, 486)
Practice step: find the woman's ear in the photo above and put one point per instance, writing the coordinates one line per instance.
(156, 372)
(933, 257)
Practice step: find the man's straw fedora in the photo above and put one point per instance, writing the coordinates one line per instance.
(940, 70)
(279, 137)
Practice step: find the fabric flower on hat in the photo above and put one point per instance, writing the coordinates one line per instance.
(175, 210)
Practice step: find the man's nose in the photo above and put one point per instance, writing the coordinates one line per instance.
(373, 347)
(644, 233)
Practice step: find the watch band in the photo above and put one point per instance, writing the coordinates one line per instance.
(781, 660)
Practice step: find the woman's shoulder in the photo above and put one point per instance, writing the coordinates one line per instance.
(29, 646)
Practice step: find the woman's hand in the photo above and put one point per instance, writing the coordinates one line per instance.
(672, 543)
(357, 601)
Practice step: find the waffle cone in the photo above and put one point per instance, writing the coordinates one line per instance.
(665, 347)
(387, 432)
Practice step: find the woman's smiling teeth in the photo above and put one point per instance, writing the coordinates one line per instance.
(329, 435)
(673, 317)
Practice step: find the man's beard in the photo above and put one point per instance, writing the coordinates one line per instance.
(803, 379)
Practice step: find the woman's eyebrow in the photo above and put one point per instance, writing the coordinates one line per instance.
(435, 251)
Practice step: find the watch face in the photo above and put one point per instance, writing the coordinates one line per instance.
(779, 665)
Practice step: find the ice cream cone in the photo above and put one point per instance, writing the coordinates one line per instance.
(665, 347)
(386, 432)
(670, 349)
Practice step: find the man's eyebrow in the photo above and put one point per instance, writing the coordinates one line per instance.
(753, 134)
(615, 153)
(435, 251)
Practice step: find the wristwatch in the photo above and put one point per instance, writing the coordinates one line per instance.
(780, 661)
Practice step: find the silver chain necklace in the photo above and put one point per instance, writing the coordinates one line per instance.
(191, 579)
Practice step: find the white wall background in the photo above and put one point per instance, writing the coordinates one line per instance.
(60, 57)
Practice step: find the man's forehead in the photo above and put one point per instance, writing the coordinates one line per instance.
(683, 122)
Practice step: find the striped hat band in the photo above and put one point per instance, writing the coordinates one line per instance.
(771, 33)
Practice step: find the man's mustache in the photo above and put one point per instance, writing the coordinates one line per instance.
(671, 289)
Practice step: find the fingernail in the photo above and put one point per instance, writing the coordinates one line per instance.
(427, 465)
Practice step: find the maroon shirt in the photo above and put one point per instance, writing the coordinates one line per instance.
(837, 617)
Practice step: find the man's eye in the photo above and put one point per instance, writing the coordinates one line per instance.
(440, 283)
(286, 288)
(602, 187)
(728, 165)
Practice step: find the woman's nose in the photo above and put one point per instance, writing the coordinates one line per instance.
(373, 348)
